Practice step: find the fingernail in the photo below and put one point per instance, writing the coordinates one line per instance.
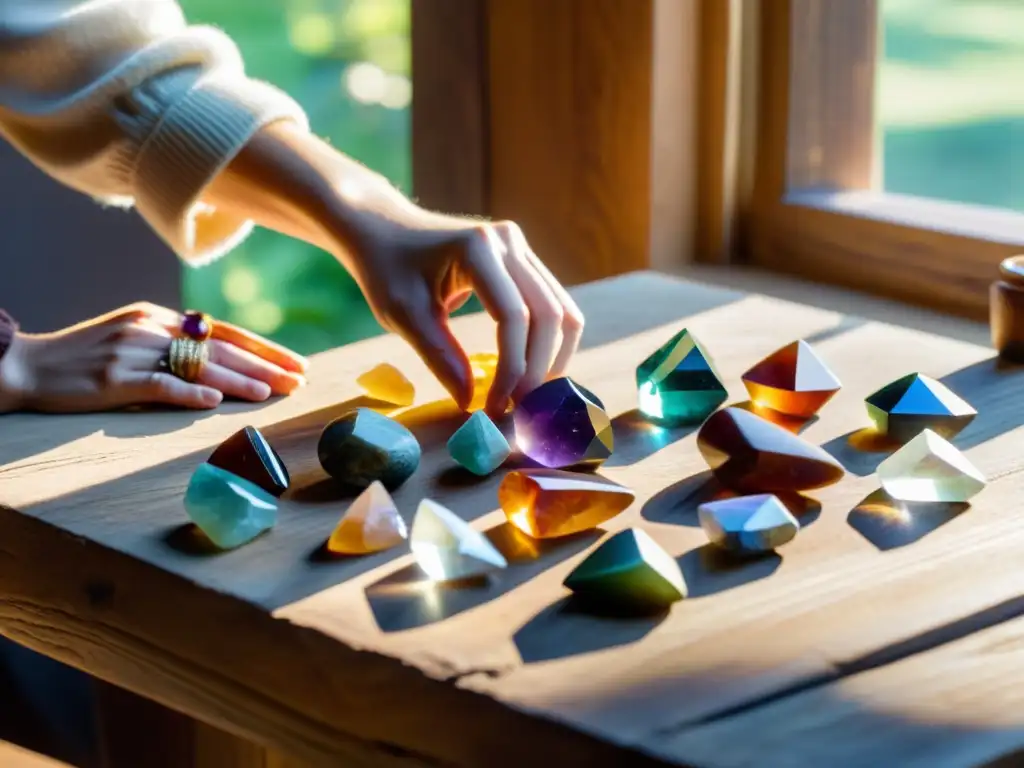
(261, 390)
(212, 397)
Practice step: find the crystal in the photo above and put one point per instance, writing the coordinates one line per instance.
(478, 445)
(930, 468)
(792, 380)
(901, 409)
(483, 366)
(561, 424)
(197, 325)
(546, 503)
(748, 524)
(628, 571)
(363, 445)
(370, 524)
(678, 384)
(751, 455)
(387, 383)
(248, 455)
(447, 548)
(228, 509)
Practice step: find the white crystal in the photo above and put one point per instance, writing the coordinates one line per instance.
(447, 548)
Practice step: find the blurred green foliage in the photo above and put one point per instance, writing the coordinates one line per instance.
(951, 116)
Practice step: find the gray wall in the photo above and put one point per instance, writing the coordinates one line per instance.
(64, 258)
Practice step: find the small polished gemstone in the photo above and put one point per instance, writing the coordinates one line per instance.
(197, 325)
(628, 571)
(546, 503)
(371, 524)
(751, 455)
(930, 468)
(478, 445)
(248, 455)
(230, 510)
(678, 384)
(387, 383)
(792, 380)
(363, 446)
(748, 524)
(447, 548)
(561, 424)
(903, 408)
(483, 365)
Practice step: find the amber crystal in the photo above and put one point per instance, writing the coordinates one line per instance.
(370, 524)
(751, 455)
(248, 455)
(792, 380)
(388, 384)
(546, 503)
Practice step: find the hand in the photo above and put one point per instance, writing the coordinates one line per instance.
(114, 361)
(413, 266)
(416, 267)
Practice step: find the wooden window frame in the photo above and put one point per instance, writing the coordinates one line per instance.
(631, 134)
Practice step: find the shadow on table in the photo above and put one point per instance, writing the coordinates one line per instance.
(888, 523)
(709, 569)
(677, 504)
(637, 437)
(994, 388)
(568, 627)
(407, 598)
(861, 451)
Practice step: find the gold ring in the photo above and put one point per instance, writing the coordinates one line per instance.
(187, 358)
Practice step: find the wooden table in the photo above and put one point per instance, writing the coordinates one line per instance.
(880, 636)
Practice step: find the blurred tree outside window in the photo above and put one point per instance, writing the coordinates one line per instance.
(951, 100)
(347, 64)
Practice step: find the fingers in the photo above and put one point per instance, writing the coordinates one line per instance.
(545, 310)
(256, 368)
(424, 325)
(165, 389)
(572, 317)
(503, 301)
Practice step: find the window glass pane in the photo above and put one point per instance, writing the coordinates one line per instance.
(951, 100)
(347, 63)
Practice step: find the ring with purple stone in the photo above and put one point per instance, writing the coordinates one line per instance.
(197, 326)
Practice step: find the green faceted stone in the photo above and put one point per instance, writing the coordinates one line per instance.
(678, 384)
(904, 408)
(230, 510)
(478, 445)
(628, 572)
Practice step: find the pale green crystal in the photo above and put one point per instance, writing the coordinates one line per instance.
(478, 445)
(930, 468)
(230, 510)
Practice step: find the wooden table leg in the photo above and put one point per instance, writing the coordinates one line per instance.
(135, 731)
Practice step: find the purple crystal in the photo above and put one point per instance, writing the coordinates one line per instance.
(561, 424)
(196, 325)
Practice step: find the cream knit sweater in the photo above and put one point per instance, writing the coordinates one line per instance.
(122, 100)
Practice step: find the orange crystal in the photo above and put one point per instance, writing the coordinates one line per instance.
(792, 380)
(370, 524)
(547, 503)
(749, 454)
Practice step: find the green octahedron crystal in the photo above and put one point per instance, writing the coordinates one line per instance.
(678, 384)
(905, 407)
(478, 445)
(628, 573)
(230, 510)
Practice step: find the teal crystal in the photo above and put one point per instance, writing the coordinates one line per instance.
(678, 384)
(478, 445)
(902, 409)
(628, 573)
(230, 510)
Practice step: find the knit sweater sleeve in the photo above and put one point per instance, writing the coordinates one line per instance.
(124, 101)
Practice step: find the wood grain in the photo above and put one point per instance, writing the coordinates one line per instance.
(353, 661)
(450, 137)
(13, 756)
(570, 89)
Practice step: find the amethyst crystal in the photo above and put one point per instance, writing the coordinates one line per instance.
(561, 424)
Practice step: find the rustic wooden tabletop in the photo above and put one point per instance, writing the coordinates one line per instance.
(880, 636)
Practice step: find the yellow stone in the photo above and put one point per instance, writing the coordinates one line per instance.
(483, 365)
(371, 524)
(930, 469)
(387, 383)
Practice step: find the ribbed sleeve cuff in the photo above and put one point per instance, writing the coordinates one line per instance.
(195, 138)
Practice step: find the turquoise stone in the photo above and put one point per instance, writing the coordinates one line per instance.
(230, 510)
(363, 446)
(678, 384)
(629, 572)
(478, 445)
(748, 525)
